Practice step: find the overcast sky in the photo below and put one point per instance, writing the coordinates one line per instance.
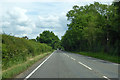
(32, 17)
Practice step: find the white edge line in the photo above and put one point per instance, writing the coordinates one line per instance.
(85, 66)
(38, 67)
(115, 64)
(106, 77)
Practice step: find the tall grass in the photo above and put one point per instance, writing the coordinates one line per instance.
(101, 55)
(16, 50)
(17, 69)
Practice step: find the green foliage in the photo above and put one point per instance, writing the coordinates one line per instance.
(49, 38)
(17, 69)
(93, 28)
(102, 56)
(15, 50)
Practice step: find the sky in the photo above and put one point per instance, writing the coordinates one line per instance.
(31, 17)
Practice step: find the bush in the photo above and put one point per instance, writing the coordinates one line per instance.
(15, 50)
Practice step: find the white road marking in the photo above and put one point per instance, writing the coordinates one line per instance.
(38, 67)
(89, 67)
(115, 64)
(64, 54)
(73, 58)
(85, 65)
(106, 77)
(67, 56)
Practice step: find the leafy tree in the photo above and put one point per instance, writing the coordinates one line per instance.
(25, 37)
(93, 28)
(49, 38)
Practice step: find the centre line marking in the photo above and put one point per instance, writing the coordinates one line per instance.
(72, 58)
(67, 56)
(38, 67)
(85, 65)
(106, 77)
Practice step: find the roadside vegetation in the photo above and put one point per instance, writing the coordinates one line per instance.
(50, 39)
(94, 29)
(18, 51)
(100, 55)
(0, 57)
(17, 69)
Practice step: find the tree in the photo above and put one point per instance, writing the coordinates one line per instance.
(25, 37)
(93, 28)
(49, 38)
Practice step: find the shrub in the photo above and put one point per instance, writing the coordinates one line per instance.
(15, 50)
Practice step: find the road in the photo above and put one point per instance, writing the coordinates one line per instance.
(62, 64)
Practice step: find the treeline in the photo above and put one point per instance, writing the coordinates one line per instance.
(93, 28)
(49, 38)
(16, 50)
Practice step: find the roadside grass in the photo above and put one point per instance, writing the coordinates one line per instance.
(19, 53)
(103, 56)
(15, 50)
(17, 69)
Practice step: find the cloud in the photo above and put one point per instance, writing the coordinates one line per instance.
(49, 21)
(56, 0)
(17, 22)
(56, 23)
(24, 29)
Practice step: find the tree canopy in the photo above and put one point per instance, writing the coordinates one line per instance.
(93, 28)
(49, 38)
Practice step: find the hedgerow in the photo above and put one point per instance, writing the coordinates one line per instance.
(16, 50)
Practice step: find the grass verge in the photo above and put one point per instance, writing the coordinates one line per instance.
(17, 69)
(103, 56)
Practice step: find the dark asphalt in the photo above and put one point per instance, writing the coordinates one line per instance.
(67, 65)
